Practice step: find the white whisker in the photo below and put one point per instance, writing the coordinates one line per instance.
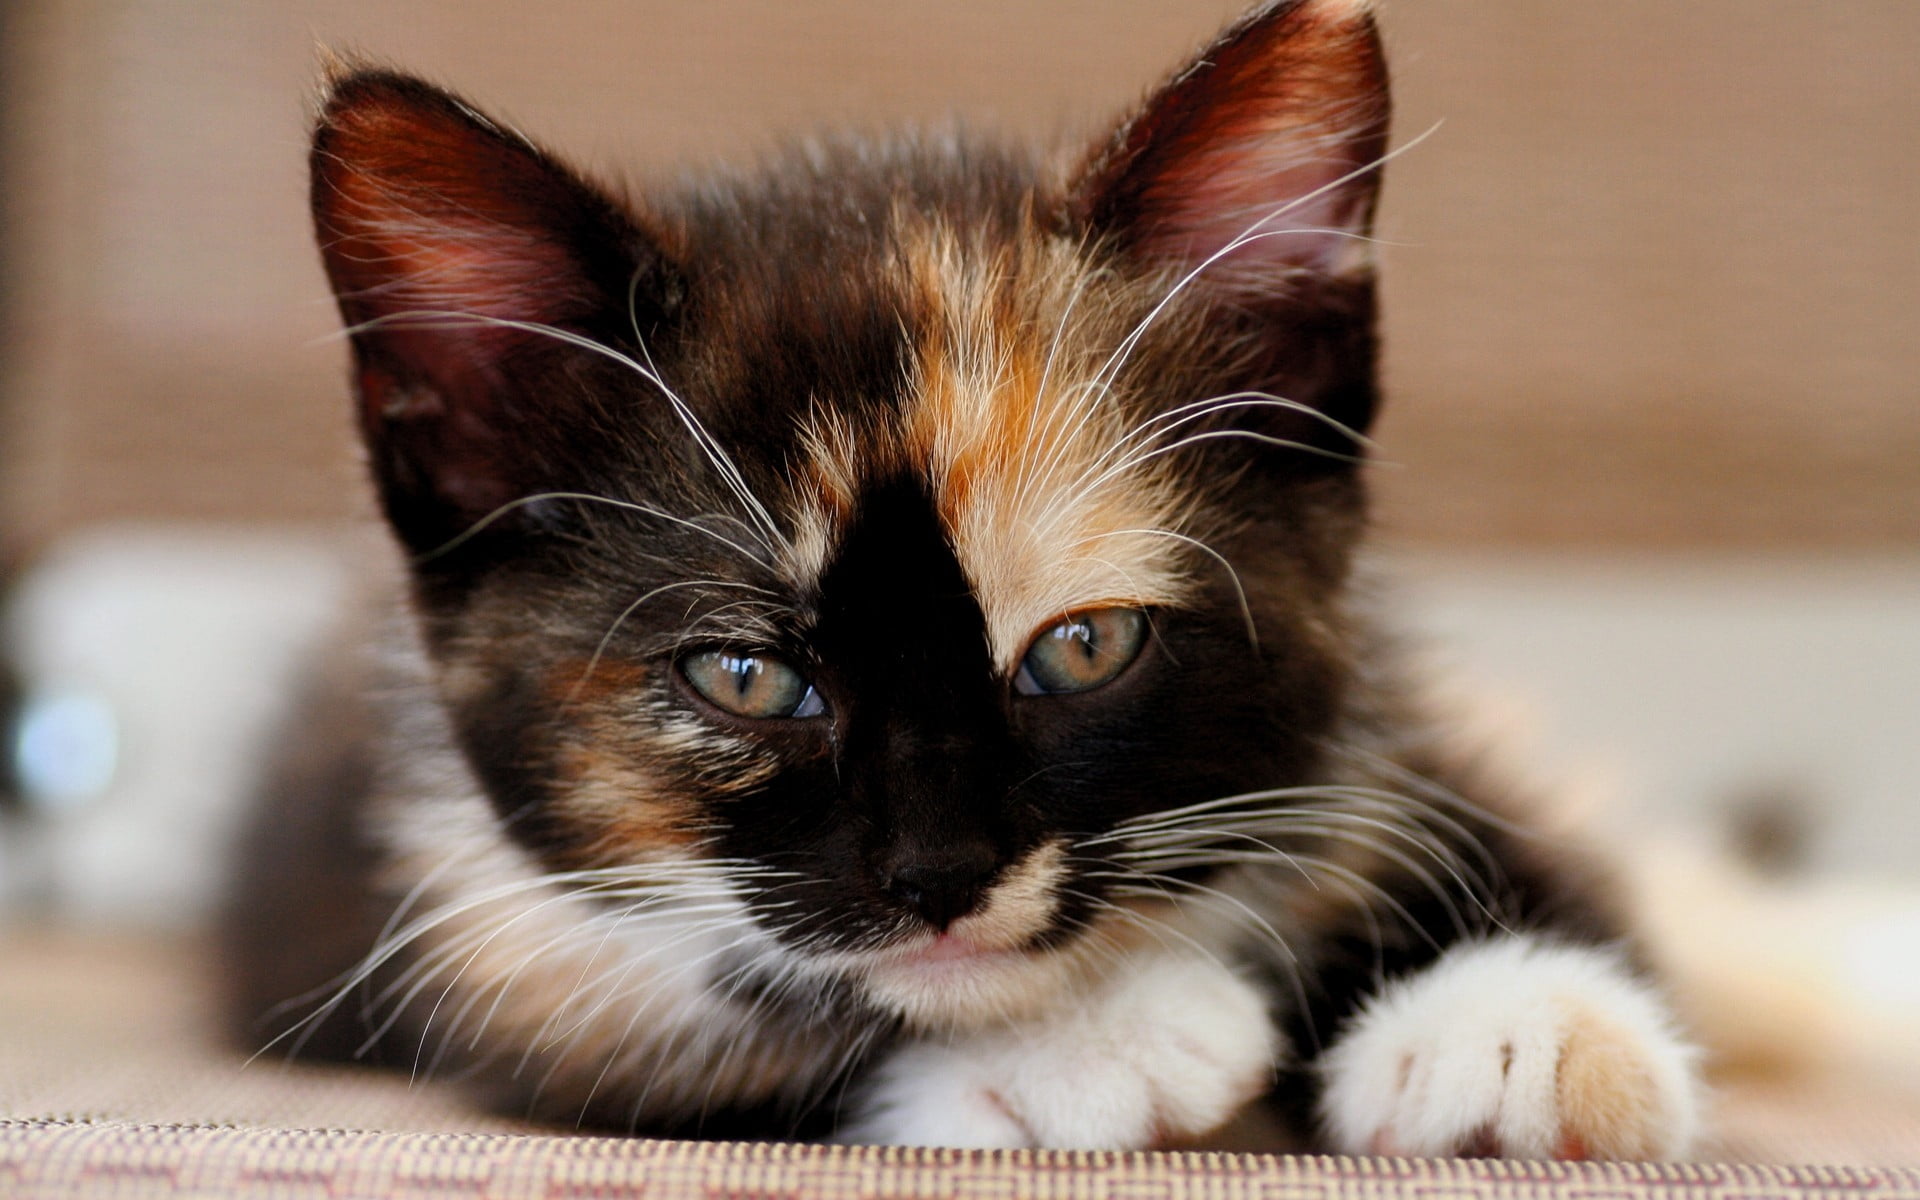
(722, 463)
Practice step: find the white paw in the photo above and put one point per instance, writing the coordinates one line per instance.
(1167, 1053)
(1517, 1048)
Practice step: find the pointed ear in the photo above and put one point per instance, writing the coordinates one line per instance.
(445, 237)
(1262, 152)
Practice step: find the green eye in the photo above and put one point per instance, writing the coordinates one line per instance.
(1082, 652)
(751, 684)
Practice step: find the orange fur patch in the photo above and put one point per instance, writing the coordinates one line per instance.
(1021, 904)
(1035, 470)
(1032, 463)
(591, 681)
(1610, 1105)
(610, 792)
(633, 816)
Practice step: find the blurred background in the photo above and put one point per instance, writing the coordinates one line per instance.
(1650, 474)
(1651, 466)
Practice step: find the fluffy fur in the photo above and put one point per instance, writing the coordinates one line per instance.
(878, 421)
(1515, 1047)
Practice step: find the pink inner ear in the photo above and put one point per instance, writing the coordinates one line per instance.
(1263, 141)
(428, 217)
(438, 293)
(1282, 194)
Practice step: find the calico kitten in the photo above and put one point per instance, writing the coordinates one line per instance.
(882, 663)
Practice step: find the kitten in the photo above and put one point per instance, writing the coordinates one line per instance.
(882, 662)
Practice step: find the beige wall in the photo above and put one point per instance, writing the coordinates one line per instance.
(1654, 277)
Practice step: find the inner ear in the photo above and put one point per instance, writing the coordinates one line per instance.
(467, 264)
(1251, 179)
(1259, 158)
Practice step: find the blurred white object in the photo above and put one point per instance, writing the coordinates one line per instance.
(155, 662)
(1681, 684)
(65, 748)
(1784, 978)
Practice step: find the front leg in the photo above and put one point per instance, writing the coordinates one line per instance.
(1168, 1050)
(1518, 1047)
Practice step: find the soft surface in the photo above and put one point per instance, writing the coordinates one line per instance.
(111, 1081)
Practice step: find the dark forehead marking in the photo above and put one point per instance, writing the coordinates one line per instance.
(897, 618)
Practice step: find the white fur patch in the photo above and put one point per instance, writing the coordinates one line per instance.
(1515, 1047)
(1168, 1050)
(606, 985)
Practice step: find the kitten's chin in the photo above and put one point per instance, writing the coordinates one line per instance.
(986, 969)
(948, 982)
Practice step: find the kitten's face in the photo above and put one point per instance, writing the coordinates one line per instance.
(902, 523)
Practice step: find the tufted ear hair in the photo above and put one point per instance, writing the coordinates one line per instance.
(457, 250)
(1263, 152)
(1251, 177)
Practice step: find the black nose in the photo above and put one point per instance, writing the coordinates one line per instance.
(940, 893)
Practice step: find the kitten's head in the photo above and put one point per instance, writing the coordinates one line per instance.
(901, 521)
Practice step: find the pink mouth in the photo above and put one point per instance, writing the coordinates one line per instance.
(946, 949)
